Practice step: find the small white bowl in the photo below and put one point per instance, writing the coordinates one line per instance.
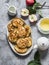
(40, 29)
(12, 10)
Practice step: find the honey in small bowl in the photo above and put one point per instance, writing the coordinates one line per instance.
(44, 24)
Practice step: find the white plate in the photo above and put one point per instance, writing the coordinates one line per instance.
(12, 46)
(44, 32)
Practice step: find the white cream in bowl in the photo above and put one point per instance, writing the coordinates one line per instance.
(12, 10)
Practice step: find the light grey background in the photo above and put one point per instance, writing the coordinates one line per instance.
(7, 57)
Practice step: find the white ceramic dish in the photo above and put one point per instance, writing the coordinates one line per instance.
(12, 47)
(38, 26)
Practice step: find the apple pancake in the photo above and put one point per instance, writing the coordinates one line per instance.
(28, 30)
(29, 41)
(21, 31)
(10, 27)
(21, 43)
(17, 21)
(12, 38)
(20, 50)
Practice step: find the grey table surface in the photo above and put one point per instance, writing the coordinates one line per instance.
(7, 57)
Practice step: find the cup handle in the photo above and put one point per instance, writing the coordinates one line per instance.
(48, 40)
(35, 46)
(7, 5)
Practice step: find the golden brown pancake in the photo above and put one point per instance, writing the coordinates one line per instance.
(28, 30)
(17, 21)
(29, 41)
(21, 43)
(21, 31)
(10, 27)
(12, 38)
(20, 50)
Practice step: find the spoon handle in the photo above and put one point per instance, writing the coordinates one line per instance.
(43, 4)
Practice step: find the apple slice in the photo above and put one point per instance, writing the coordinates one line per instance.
(24, 12)
(32, 18)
